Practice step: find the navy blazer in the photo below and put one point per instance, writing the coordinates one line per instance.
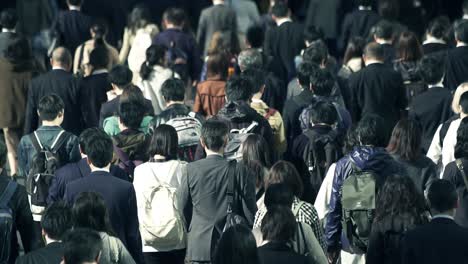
(72, 172)
(120, 199)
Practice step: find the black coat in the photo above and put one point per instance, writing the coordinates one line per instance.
(120, 199)
(357, 24)
(389, 53)
(52, 253)
(291, 112)
(279, 253)
(378, 89)
(430, 48)
(453, 174)
(6, 39)
(73, 28)
(63, 84)
(440, 241)
(422, 171)
(456, 68)
(111, 108)
(93, 93)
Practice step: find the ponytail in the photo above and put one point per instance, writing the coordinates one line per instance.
(100, 31)
(154, 56)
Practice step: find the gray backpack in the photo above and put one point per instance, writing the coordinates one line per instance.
(233, 149)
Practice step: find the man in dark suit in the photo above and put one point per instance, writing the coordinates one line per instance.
(56, 221)
(58, 81)
(442, 240)
(457, 59)
(203, 193)
(77, 170)
(73, 26)
(377, 89)
(284, 42)
(383, 34)
(118, 195)
(218, 17)
(8, 20)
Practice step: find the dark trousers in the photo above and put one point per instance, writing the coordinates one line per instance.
(168, 257)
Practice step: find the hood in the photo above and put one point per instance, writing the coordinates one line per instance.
(236, 112)
(370, 158)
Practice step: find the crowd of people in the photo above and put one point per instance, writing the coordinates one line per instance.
(296, 136)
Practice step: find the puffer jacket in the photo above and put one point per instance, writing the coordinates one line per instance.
(365, 158)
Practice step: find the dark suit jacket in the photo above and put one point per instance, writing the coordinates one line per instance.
(66, 86)
(5, 41)
(283, 43)
(202, 196)
(72, 172)
(434, 48)
(73, 28)
(215, 18)
(377, 89)
(120, 199)
(357, 24)
(111, 108)
(292, 110)
(50, 254)
(440, 241)
(389, 53)
(279, 253)
(456, 68)
(92, 95)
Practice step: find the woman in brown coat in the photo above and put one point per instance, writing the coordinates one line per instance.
(16, 69)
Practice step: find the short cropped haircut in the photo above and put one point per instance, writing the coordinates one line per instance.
(238, 88)
(85, 136)
(164, 142)
(442, 196)
(278, 224)
(257, 77)
(100, 149)
(324, 112)
(121, 76)
(50, 106)
(175, 16)
(431, 69)
(173, 90)
(285, 172)
(57, 220)
(374, 50)
(316, 53)
(461, 31)
(322, 82)
(280, 9)
(131, 113)
(384, 30)
(213, 134)
(304, 71)
(255, 36)
(81, 245)
(8, 18)
(371, 131)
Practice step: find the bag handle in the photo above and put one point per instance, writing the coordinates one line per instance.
(8, 194)
(231, 185)
(462, 170)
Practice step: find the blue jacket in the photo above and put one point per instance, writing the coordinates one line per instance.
(365, 158)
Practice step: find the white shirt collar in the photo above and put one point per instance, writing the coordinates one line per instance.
(58, 68)
(4, 30)
(365, 8)
(439, 84)
(100, 71)
(217, 2)
(100, 169)
(443, 216)
(72, 7)
(431, 39)
(465, 16)
(383, 41)
(281, 21)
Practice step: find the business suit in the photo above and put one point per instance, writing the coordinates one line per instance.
(202, 196)
(92, 94)
(378, 89)
(63, 84)
(72, 172)
(456, 68)
(52, 253)
(441, 241)
(120, 199)
(215, 18)
(73, 28)
(357, 24)
(111, 108)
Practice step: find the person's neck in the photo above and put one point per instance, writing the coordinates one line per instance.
(372, 61)
(218, 2)
(5, 30)
(159, 157)
(172, 26)
(51, 123)
(59, 67)
(257, 97)
(94, 168)
(439, 84)
(214, 153)
(431, 39)
(76, 8)
(118, 91)
(49, 240)
(173, 103)
(383, 41)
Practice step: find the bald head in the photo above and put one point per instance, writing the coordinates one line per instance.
(374, 52)
(61, 57)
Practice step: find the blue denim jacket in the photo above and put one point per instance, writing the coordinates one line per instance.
(69, 152)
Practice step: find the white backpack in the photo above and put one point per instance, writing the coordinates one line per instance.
(162, 225)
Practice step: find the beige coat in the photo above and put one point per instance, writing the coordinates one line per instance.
(88, 48)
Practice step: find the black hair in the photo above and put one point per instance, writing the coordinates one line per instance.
(278, 194)
(218, 64)
(81, 245)
(100, 149)
(99, 28)
(75, 2)
(255, 148)
(464, 102)
(257, 77)
(408, 47)
(155, 55)
(175, 16)
(321, 82)
(351, 140)
(406, 140)
(237, 245)
(304, 71)
(461, 148)
(131, 113)
(383, 30)
(121, 76)
(438, 27)
(313, 33)
(431, 69)
(442, 196)
(164, 142)
(389, 9)
(139, 17)
(399, 197)
(99, 58)
(214, 134)
(374, 50)
(255, 36)
(238, 88)
(324, 112)
(371, 131)
(354, 49)
(57, 220)
(3, 154)
(90, 211)
(173, 90)
(280, 9)
(19, 53)
(50, 106)
(285, 172)
(85, 136)
(316, 53)
(366, 3)
(279, 224)
(461, 31)
(8, 18)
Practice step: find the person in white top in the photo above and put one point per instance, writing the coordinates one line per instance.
(163, 172)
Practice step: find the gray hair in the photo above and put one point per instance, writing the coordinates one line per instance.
(250, 58)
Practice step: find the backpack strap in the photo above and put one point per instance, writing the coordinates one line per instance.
(59, 141)
(462, 171)
(443, 131)
(36, 142)
(8, 194)
(231, 185)
(271, 112)
(121, 154)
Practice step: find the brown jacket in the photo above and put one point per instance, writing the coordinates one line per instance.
(13, 94)
(210, 97)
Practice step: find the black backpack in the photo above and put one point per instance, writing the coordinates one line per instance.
(43, 167)
(6, 221)
(177, 60)
(319, 154)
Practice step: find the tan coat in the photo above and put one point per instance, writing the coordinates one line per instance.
(88, 48)
(276, 123)
(13, 95)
